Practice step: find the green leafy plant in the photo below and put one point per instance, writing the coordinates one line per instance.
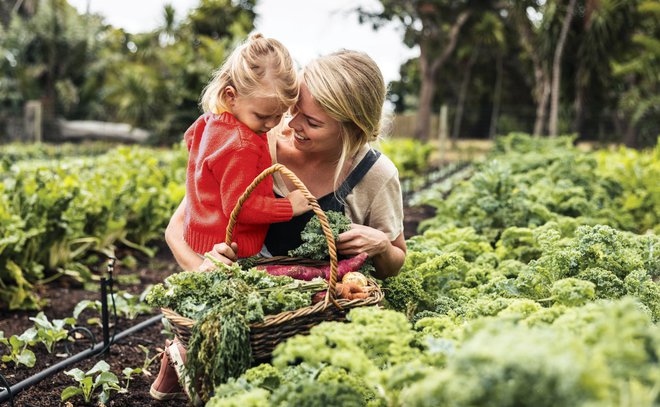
(128, 306)
(51, 332)
(314, 244)
(128, 372)
(98, 377)
(18, 351)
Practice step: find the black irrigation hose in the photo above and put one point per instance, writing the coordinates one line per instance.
(9, 394)
(11, 391)
(96, 350)
(87, 332)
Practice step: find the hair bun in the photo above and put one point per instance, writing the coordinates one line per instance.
(255, 36)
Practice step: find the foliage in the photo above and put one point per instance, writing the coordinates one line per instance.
(636, 74)
(56, 213)
(98, 378)
(314, 243)
(126, 304)
(528, 182)
(224, 302)
(410, 156)
(51, 332)
(576, 367)
(637, 172)
(18, 351)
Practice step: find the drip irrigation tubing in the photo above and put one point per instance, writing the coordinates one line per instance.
(12, 391)
(98, 349)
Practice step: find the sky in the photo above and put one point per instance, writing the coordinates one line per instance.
(308, 28)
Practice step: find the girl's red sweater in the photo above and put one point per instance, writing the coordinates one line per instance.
(225, 156)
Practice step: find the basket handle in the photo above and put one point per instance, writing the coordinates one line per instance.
(332, 249)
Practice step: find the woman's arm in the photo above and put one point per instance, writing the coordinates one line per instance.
(183, 254)
(388, 256)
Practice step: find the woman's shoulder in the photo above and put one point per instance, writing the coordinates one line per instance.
(383, 167)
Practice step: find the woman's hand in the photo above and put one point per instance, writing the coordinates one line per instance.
(362, 239)
(222, 253)
(388, 256)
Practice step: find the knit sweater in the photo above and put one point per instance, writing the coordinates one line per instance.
(225, 156)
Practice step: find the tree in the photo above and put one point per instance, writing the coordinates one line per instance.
(638, 75)
(556, 68)
(483, 37)
(537, 50)
(433, 25)
(604, 33)
(47, 52)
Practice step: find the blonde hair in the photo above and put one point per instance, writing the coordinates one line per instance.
(349, 87)
(259, 67)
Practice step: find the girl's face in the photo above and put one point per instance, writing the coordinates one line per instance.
(314, 130)
(260, 114)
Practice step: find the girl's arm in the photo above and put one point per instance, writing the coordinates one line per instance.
(388, 256)
(183, 254)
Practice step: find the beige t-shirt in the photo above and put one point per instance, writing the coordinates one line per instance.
(375, 201)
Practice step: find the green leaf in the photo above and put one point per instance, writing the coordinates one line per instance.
(28, 336)
(87, 387)
(27, 358)
(81, 306)
(100, 366)
(129, 371)
(106, 378)
(70, 392)
(76, 373)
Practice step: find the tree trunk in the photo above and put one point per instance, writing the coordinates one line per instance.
(426, 93)
(630, 136)
(580, 94)
(462, 94)
(543, 90)
(556, 69)
(49, 96)
(429, 70)
(497, 96)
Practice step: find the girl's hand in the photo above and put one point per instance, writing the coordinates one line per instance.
(299, 203)
(362, 239)
(221, 252)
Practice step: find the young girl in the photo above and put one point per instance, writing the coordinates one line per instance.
(228, 148)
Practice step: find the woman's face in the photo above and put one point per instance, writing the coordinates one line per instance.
(314, 130)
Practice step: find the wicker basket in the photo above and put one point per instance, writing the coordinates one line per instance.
(266, 335)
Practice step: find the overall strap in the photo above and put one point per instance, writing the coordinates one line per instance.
(357, 174)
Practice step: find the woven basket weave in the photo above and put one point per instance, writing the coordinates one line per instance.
(266, 335)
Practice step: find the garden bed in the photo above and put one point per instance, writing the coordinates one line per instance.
(62, 297)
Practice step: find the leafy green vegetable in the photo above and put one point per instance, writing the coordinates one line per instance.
(315, 245)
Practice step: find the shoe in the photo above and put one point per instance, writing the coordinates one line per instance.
(166, 386)
(177, 354)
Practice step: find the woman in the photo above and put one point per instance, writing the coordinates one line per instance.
(338, 113)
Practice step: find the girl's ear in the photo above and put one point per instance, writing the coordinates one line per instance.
(230, 95)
